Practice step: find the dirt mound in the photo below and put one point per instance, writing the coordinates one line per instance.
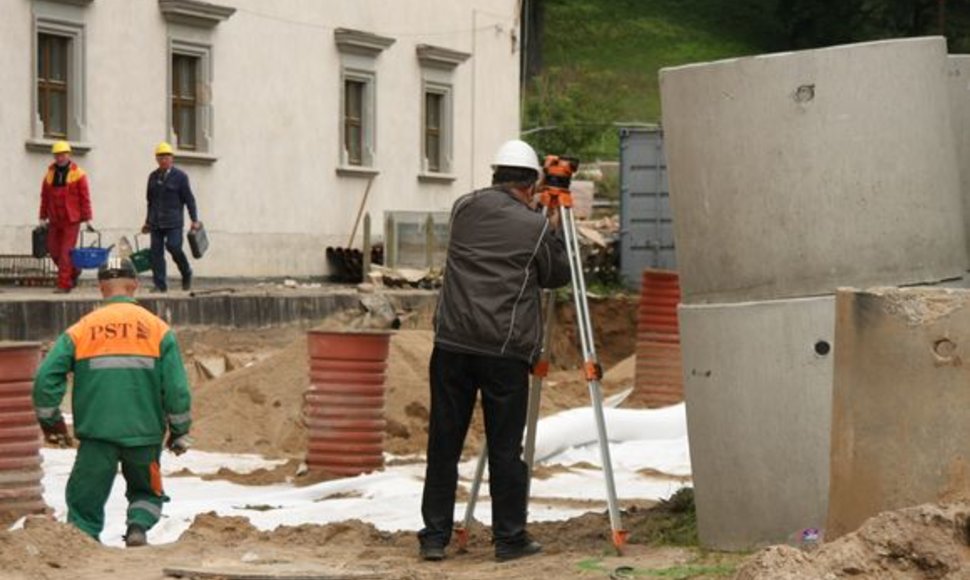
(927, 541)
(255, 407)
(43, 546)
(210, 528)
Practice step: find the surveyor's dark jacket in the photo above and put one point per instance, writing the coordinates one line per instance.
(167, 194)
(500, 254)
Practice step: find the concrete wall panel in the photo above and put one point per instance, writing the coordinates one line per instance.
(792, 174)
(901, 406)
(758, 378)
(958, 76)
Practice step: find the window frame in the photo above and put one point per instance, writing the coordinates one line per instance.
(367, 118)
(65, 21)
(204, 142)
(445, 165)
(47, 85)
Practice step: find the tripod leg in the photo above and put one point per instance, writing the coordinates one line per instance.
(592, 369)
(539, 373)
(461, 531)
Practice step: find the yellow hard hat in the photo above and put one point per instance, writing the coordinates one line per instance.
(60, 147)
(163, 148)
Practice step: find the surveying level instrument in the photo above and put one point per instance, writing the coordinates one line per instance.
(554, 194)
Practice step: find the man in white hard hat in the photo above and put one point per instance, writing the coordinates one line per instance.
(488, 333)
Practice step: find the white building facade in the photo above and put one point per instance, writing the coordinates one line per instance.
(282, 112)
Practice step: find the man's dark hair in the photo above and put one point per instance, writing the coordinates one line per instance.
(514, 176)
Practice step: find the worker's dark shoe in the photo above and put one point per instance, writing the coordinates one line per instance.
(506, 552)
(432, 553)
(157, 290)
(187, 283)
(135, 536)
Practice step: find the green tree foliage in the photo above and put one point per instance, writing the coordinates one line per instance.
(565, 118)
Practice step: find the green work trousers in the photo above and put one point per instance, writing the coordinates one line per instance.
(94, 473)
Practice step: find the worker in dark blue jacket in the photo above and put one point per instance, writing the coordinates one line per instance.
(168, 193)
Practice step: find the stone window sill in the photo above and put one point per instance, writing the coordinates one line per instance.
(44, 146)
(356, 171)
(195, 157)
(437, 177)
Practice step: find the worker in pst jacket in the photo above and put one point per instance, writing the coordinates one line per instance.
(65, 202)
(129, 388)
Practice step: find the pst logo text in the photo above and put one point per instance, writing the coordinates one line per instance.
(122, 330)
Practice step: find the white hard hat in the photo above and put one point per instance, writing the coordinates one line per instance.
(516, 153)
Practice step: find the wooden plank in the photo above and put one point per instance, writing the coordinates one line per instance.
(251, 573)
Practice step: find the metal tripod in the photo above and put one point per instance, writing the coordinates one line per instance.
(592, 370)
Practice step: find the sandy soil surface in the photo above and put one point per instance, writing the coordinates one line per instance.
(248, 392)
(927, 541)
(46, 550)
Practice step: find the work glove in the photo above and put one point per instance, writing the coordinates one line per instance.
(145, 229)
(56, 434)
(178, 444)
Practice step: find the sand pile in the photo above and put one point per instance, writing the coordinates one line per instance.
(256, 409)
(42, 548)
(927, 541)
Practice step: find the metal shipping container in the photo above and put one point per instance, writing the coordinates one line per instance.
(646, 222)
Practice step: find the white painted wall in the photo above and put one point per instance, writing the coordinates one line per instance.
(272, 201)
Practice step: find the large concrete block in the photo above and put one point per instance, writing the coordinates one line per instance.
(958, 77)
(793, 174)
(758, 381)
(901, 402)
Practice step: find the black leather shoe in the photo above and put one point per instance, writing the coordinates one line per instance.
(135, 536)
(433, 553)
(506, 552)
(187, 283)
(157, 290)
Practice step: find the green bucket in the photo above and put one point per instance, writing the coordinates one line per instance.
(141, 259)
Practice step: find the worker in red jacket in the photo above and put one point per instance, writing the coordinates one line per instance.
(65, 202)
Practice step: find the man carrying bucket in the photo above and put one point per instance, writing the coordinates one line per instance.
(168, 194)
(65, 202)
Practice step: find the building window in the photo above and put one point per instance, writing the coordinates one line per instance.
(359, 52)
(437, 137)
(357, 112)
(184, 101)
(433, 115)
(190, 98)
(354, 121)
(57, 71)
(52, 84)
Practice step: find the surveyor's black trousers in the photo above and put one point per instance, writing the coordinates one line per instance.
(455, 381)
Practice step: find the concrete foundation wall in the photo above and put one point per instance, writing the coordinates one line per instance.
(758, 384)
(901, 406)
(793, 174)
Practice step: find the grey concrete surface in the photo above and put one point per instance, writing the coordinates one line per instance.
(793, 174)
(901, 403)
(758, 385)
(37, 314)
(958, 82)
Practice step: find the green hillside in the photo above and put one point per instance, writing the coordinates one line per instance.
(600, 58)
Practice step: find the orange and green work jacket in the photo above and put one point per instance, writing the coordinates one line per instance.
(129, 381)
(69, 203)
